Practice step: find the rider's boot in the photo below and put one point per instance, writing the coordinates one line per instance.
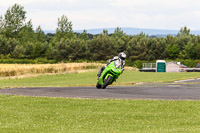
(100, 71)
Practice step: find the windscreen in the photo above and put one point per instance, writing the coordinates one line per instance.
(117, 63)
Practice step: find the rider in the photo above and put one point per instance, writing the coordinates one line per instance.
(121, 57)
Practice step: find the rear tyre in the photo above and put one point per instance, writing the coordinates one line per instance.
(98, 86)
(107, 82)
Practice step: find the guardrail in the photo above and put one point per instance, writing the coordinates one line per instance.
(149, 65)
(189, 69)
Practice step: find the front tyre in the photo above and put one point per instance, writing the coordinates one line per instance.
(98, 86)
(107, 82)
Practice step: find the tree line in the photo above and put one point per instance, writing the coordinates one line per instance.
(19, 40)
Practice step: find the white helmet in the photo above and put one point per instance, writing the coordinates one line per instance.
(122, 55)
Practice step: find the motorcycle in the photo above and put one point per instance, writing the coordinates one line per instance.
(109, 74)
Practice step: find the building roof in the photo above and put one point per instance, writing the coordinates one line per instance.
(163, 61)
(198, 65)
(180, 65)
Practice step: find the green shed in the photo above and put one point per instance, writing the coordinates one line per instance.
(160, 66)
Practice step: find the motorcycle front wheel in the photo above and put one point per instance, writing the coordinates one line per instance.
(98, 86)
(107, 82)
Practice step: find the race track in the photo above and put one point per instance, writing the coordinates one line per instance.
(170, 91)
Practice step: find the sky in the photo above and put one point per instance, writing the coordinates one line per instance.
(94, 14)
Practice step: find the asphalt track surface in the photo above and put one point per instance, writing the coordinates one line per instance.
(186, 90)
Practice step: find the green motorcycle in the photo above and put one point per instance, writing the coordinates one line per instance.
(109, 74)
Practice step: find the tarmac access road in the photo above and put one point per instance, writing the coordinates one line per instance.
(169, 91)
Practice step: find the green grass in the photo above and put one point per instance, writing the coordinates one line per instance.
(135, 77)
(90, 79)
(43, 114)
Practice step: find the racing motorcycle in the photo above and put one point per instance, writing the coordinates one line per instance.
(109, 74)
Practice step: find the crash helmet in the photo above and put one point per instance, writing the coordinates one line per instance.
(122, 55)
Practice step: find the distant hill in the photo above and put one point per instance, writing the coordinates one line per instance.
(49, 31)
(133, 31)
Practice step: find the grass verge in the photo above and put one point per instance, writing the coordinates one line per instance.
(43, 114)
(90, 79)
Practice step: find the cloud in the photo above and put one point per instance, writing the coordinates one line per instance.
(87, 14)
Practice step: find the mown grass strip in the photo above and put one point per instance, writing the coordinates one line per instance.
(90, 79)
(42, 114)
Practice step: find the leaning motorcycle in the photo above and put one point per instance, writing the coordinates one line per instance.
(109, 74)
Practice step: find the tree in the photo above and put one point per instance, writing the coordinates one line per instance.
(61, 50)
(83, 35)
(118, 32)
(1, 24)
(183, 37)
(77, 49)
(101, 48)
(14, 20)
(3, 43)
(26, 33)
(29, 49)
(119, 44)
(197, 48)
(7, 46)
(137, 47)
(64, 29)
(173, 51)
(18, 52)
(38, 49)
(40, 36)
(190, 51)
(184, 31)
(105, 32)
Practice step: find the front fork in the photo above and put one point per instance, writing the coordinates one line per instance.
(101, 80)
(102, 75)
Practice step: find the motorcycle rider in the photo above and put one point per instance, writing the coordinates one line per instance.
(121, 57)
